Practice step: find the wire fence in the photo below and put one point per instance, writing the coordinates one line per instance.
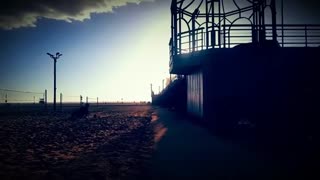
(16, 96)
(19, 100)
(8, 96)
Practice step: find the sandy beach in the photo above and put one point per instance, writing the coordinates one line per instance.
(137, 142)
(110, 143)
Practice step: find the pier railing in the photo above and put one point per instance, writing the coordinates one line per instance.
(294, 35)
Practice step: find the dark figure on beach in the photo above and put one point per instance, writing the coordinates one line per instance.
(80, 113)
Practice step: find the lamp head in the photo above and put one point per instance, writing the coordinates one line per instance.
(50, 55)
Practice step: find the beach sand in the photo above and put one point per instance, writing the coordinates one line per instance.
(112, 142)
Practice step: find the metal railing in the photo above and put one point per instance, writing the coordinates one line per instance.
(294, 35)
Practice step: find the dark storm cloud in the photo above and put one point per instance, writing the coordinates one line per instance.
(25, 13)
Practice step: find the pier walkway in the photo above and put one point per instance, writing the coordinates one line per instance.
(185, 150)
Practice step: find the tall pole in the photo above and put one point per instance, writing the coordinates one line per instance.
(54, 77)
(54, 84)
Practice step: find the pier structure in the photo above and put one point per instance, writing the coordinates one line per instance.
(241, 66)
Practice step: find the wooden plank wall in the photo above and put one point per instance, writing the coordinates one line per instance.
(195, 94)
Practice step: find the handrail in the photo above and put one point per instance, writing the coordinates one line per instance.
(294, 35)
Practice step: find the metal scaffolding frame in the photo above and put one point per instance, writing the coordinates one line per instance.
(204, 24)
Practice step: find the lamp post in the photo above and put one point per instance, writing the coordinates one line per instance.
(55, 58)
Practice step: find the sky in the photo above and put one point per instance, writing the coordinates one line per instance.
(112, 49)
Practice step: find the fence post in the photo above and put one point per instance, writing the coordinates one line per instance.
(45, 99)
(97, 101)
(34, 100)
(87, 99)
(162, 84)
(80, 100)
(61, 101)
(6, 100)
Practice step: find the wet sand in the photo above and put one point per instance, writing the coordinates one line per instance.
(112, 142)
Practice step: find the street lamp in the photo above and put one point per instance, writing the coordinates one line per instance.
(55, 58)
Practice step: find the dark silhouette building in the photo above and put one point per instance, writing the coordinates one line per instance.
(241, 67)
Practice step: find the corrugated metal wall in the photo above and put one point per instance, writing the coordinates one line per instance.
(195, 93)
